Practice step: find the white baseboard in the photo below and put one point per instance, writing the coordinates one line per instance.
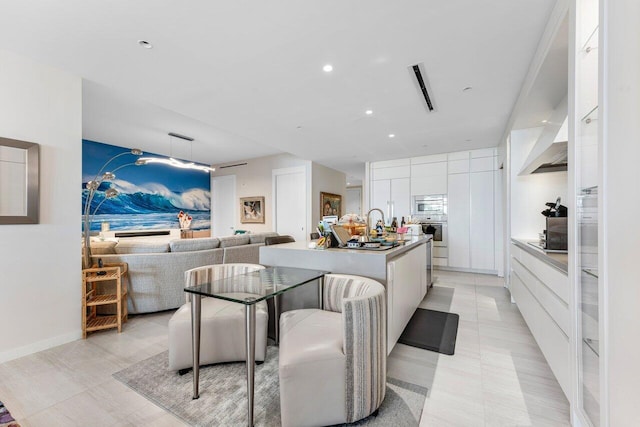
(35, 347)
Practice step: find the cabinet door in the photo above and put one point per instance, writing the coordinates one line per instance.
(400, 198)
(429, 178)
(482, 221)
(381, 195)
(458, 233)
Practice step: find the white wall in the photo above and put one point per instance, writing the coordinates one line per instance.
(40, 264)
(529, 193)
(324, 179)
(255, 179)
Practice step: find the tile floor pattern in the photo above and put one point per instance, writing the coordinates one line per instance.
(497, 377)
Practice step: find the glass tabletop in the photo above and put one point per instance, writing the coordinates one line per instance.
(256, 286)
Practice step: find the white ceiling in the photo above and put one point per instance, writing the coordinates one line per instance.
(245, 79)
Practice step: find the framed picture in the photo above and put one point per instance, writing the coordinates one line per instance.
(330, 204)
(252, 210)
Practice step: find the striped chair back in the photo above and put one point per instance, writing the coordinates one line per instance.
(362, 302)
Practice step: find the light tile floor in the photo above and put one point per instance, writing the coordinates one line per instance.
(497, 377)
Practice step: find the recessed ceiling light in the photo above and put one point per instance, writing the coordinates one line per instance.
(392, 135)
(467, 89)
(145, 44)
(327, 68)
(348, 183)
(544, 121)
(368, 112)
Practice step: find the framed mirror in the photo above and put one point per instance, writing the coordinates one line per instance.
(19, 181)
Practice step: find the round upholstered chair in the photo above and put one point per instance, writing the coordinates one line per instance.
(333, 362)
(222, 331)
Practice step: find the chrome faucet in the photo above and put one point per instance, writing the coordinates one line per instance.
(367, 232)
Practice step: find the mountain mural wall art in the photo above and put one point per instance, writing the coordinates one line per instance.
(149, 196)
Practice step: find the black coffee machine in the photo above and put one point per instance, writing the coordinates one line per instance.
(556, 232)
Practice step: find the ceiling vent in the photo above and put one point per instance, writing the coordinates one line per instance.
(422, 83)
(233, 166)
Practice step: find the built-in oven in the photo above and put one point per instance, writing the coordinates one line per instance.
(436, 227)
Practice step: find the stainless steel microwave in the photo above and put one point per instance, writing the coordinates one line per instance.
(431, 205)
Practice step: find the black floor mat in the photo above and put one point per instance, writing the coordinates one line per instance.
(432, 330)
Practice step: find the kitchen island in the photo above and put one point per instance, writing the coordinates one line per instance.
(401, 269)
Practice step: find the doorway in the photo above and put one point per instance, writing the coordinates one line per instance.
(223, 205)
(290, 202)
(353, 202)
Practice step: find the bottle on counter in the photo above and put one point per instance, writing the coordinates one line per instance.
(394, 223)
(402, 222)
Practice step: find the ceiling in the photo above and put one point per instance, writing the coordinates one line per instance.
(245, 79)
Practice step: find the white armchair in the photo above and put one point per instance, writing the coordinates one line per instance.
(333, 362)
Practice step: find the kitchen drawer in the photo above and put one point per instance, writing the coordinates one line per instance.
(554, 279)
(549, 301)
(555, 347)
(552, 341)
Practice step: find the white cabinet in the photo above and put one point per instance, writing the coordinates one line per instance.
(540, 292)
(459, 220)
(429, 178)
(458, 162)
(482, 214)
(471, 209)
(393, 196)
(406, 287)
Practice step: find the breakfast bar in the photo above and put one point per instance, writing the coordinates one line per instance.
(402, 269)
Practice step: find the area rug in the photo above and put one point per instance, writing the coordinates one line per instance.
(6, 420)
(223, 399)
(432, 330)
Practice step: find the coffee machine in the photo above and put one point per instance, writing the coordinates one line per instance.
(556, 231)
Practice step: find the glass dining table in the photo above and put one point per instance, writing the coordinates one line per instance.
(262, 285)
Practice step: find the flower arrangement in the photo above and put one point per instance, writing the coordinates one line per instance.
(185, 220)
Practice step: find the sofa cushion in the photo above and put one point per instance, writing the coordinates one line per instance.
(259, 237)
(227, 242)
(141, 247)
(188, 245)
(103, 248)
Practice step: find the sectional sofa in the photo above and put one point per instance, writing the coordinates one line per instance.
(157, 265)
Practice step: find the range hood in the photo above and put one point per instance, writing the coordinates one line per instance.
(549, 154)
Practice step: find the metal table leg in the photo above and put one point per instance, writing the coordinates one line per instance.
(195, 340)
(321, 293)
(276, 315)
(250, 325)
